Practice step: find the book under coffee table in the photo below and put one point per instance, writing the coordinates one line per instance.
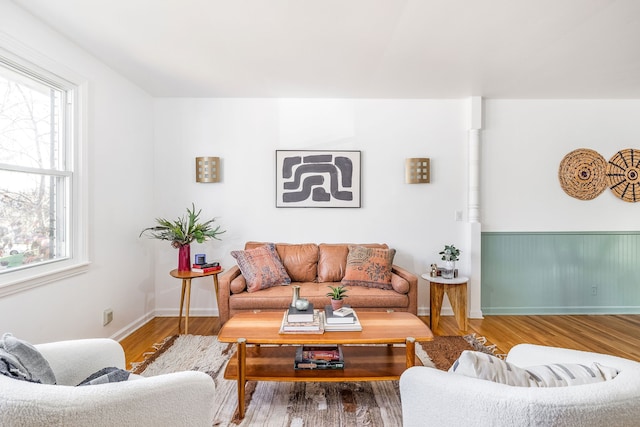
(263, 354)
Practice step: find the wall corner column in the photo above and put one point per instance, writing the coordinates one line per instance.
(473, 206)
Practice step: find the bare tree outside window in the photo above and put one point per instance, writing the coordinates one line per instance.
(34, 176)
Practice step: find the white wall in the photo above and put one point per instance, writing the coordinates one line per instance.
(120, 146)
(417, 220)
(524, 142)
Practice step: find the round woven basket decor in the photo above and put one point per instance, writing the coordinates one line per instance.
(582, 174)
(623, 175)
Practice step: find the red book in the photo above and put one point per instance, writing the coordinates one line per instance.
(206, 270)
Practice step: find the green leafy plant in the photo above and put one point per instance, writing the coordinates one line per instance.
(337, 293)
(184, 230)
(450, 253)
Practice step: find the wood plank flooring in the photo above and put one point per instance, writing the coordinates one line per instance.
(611, 334)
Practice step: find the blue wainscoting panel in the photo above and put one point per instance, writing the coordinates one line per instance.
(561, 273)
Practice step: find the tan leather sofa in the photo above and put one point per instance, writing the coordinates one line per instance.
(314, 267)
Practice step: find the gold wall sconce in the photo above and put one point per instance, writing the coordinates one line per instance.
(207, 169)
(417, 170)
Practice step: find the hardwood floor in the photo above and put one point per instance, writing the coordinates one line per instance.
(611, 334)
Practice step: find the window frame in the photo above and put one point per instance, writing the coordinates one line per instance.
(17, 55)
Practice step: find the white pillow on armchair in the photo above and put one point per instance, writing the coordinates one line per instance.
(484, 366)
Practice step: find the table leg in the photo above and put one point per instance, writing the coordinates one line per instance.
(215, 287)
(186, 317)
(410, 342)
(436, 295)
(242, 373)
(458, 298)
(215, 284)
(184, 284)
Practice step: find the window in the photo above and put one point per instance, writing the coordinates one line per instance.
(41, 226)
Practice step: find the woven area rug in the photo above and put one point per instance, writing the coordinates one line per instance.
(296, 404)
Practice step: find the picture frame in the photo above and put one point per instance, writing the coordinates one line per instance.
(318, 179)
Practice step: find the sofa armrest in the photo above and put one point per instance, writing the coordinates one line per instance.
(177, 399)
(73, 361)
(413, 287)
(224, 292)
(524, 355)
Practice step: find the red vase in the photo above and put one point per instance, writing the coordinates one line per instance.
(184, 258)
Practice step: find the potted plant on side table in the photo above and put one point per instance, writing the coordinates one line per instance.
(450, 255)
(337, 294)
(182, 231)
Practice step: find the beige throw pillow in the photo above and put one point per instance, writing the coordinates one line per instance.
(487, 367)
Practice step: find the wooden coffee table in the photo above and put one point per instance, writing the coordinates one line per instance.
(363, 361)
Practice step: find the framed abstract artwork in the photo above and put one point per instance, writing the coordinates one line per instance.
(317, 179)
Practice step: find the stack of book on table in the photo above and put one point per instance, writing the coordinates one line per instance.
(344, 319)
(319, 357)
(296, 315)
(296, 322)
(206, 268)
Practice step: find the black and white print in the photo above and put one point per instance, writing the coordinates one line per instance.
(318, 179)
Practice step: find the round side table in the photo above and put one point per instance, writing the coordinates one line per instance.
(456, 290)
(186, 277)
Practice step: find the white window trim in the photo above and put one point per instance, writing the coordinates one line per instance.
(78, 262)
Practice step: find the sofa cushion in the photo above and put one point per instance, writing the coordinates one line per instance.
(279, 298)
(238, 284)
(487, 367)
(261, 267)
(332, 260)
(400, 284)
(370, 267)
(300, 260)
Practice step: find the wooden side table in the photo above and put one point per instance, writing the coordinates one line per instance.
(186, 277)
(456, 290)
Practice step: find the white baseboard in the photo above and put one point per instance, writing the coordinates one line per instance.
(139, 322)
(448, 311)
(131, 327)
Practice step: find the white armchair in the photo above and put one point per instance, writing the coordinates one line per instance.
(179, 399)
(431, 397)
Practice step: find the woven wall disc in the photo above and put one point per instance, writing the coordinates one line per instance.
(582, 174)
(623, 175)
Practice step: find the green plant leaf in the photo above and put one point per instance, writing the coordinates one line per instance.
(184, 230)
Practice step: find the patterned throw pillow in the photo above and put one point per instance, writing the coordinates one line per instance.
(261, 267)
(370, 267)
(486, 367)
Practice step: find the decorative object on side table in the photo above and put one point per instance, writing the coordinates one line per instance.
(337, 295)
(434, 270)
(450, 255)
(182, 231)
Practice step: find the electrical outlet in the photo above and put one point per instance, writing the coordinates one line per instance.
(458, 215)
(594, 291)
(107, 317)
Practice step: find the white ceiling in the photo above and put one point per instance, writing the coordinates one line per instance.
(361, 48)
